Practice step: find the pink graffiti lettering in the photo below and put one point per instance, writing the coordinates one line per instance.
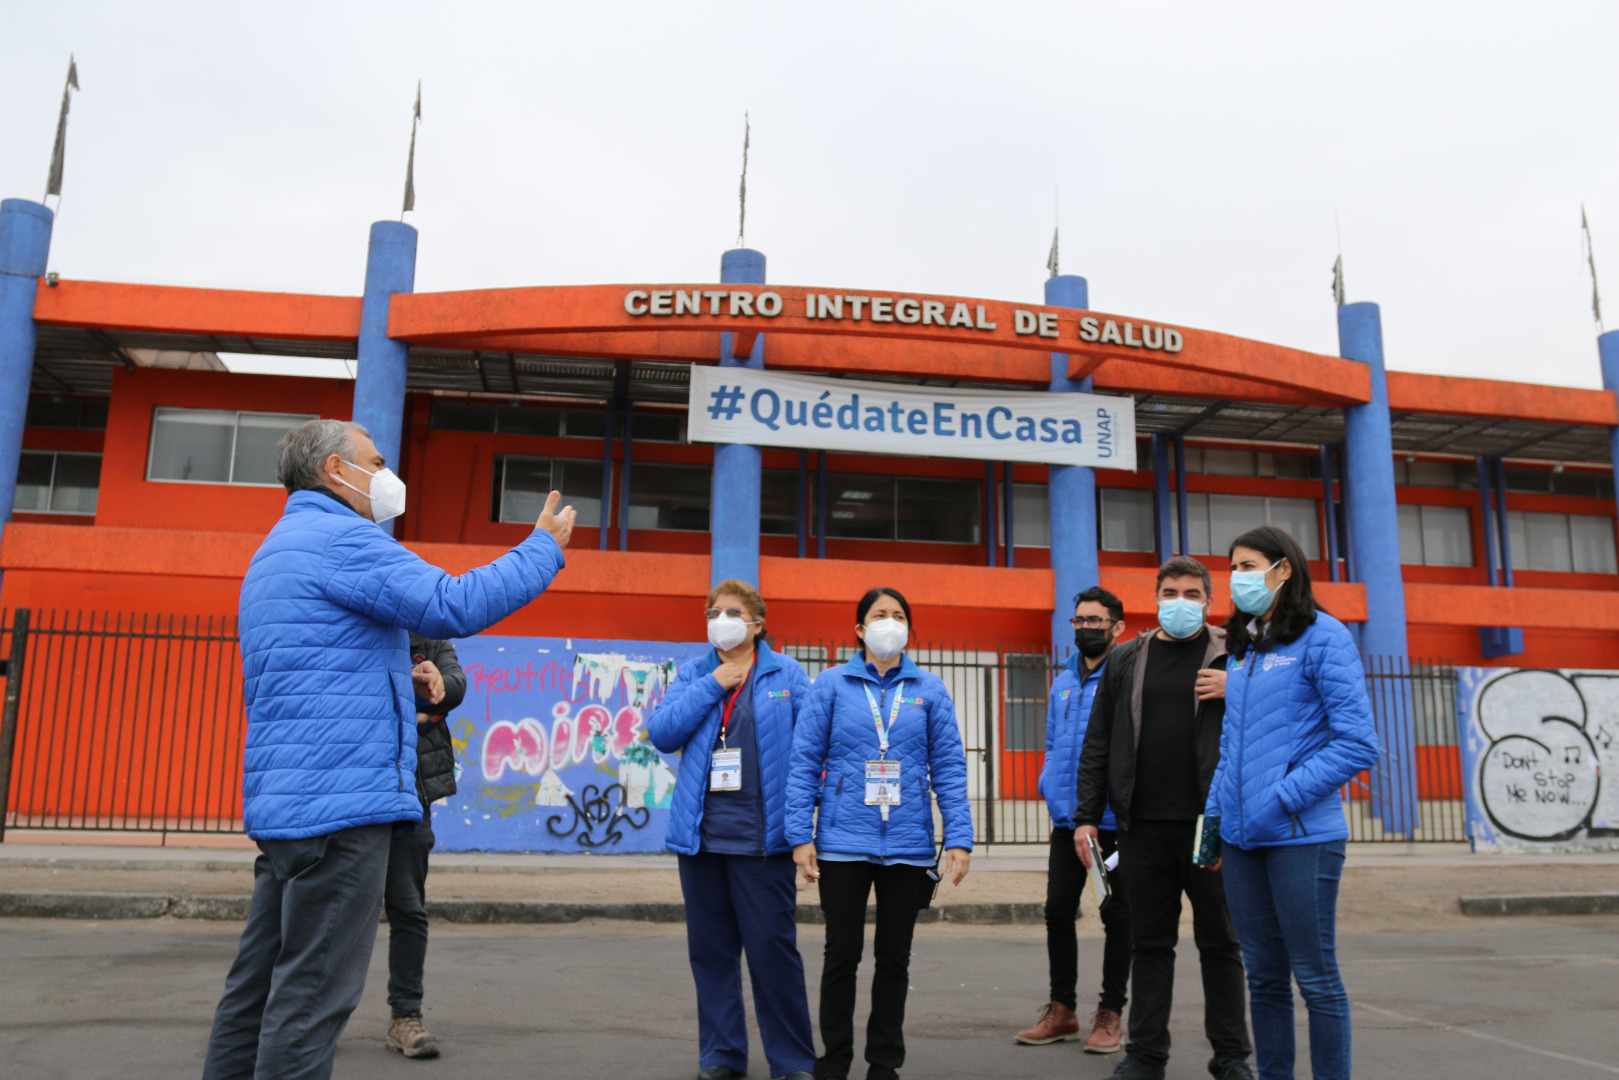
(520, 746)
(502, 680)
(626, 729)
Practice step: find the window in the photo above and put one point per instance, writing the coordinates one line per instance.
(52, 413)
(1027, 686)
(1217, 520)
(861, 507)
(217, 446)
(551, 421)
(1217, 461)
(522, 484)
(1031, 515)
(670, 496)
(778, 500)
(1436, 536)
(53, 483)
(1126, 520)
(1581, 543)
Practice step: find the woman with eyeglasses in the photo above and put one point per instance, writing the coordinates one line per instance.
(731, 716)
(1298, 726)
(875, 746)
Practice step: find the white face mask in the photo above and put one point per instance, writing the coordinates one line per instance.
(387, 492)
(886, 638)
(726, 632)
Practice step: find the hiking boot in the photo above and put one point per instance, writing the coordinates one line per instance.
(1107, 1033)
(406, 1035)
(1057, 1023)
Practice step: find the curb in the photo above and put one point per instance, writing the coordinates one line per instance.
(102, 905)
(1603, 903)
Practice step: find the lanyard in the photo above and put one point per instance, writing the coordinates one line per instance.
(877, 714)
(725, 710)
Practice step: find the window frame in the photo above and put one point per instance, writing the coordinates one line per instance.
(50, 488)
(235, 435)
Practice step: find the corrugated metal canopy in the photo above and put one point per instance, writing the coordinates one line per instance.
(81, 361)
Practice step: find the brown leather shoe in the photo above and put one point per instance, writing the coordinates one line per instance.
(1107, 1033)
(1057, 1024)
(406, 1035)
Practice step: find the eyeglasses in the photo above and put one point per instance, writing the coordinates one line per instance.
(733, 612)
(1090, 622)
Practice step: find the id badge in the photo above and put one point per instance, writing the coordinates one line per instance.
(882, 783)
(725, 771)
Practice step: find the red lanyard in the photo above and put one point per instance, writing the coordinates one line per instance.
(725, 710)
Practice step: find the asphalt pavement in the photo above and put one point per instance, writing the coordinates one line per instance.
(1509, 998)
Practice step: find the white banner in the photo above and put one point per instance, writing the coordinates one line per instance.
(772, 408)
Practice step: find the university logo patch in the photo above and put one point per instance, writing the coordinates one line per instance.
(1276, 660)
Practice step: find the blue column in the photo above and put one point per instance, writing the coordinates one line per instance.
(989, 513)
(1374, 531)
(1072, 490)
(1374, 524)
(734, 509)
(1608, 352)
(380, 362)
(1180, 495)
(1162, 524)
(1329, 513)
(25, 243)
(624, 478)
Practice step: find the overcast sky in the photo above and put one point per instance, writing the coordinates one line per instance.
(1201, 151)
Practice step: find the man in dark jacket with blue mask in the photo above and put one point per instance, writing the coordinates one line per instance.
(1150, 751)
(329, 770)
(1098, 623)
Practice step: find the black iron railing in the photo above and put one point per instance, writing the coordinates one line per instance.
(135, 722)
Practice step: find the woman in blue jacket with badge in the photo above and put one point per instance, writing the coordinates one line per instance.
(1298, 726)
(731, 717)
(876, 743)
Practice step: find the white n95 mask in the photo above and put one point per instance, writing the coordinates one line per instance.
(387, 492)
(886, 638)
(726, 632)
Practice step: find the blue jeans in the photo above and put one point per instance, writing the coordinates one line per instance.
(1284, 903)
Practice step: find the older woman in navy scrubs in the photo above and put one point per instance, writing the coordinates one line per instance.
(731, 717)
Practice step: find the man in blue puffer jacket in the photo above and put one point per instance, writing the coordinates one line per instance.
(329, 772)
(1098, 623)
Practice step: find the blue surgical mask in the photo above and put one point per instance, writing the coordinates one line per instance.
(1249, 592)
(1181, 618)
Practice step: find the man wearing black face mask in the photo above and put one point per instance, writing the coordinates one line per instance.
(1098, 622)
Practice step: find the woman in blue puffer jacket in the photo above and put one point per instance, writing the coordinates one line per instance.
(731, 716)
(876, 743)
(1298, 726)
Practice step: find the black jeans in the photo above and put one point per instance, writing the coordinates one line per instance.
(405, 901)
(845, 886)
(300, 968)
(1066, 881)
(1157, 856)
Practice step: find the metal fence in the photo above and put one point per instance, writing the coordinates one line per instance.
(135, 722)
(121, 722)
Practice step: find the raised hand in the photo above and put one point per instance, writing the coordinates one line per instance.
(559, 525)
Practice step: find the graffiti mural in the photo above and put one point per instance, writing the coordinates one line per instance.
(550, 746)
(1540, 758)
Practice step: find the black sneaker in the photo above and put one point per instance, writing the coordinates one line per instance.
(1135, 1069)
(1233, 1070)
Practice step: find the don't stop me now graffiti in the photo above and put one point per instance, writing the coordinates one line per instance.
(550, 746)
(1540, 757)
